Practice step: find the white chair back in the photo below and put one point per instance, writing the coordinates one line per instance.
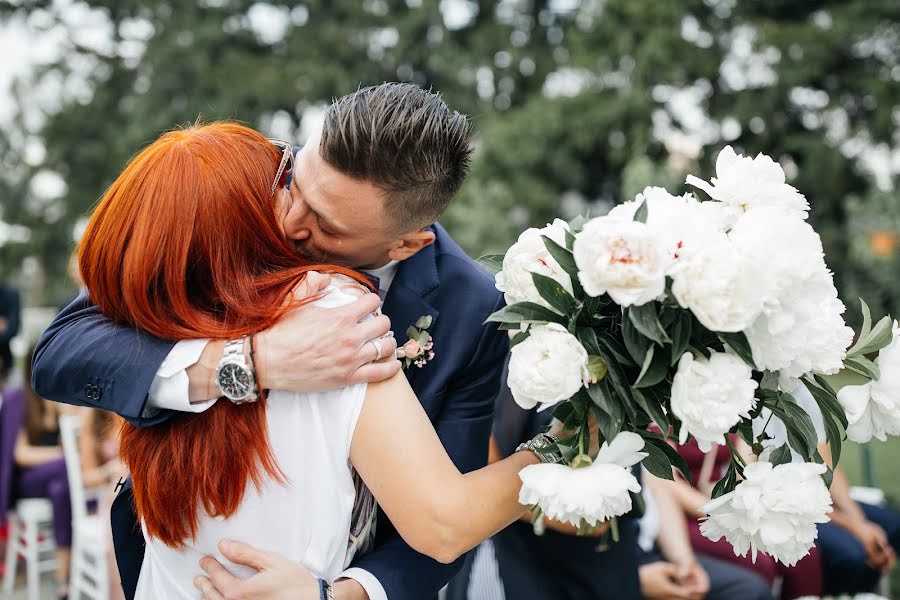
(69, 428)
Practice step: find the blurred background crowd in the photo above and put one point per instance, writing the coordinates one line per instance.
(578, 105)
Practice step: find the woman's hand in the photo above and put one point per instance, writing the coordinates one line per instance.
(277, 578)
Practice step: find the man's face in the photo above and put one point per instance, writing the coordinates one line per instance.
(333, 218)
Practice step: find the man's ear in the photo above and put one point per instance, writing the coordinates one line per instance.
(409, 244)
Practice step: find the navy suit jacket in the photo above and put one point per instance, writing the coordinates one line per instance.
(84, 358)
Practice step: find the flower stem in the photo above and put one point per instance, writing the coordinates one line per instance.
(734, 452)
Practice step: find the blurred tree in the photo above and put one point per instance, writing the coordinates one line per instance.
(578, 104)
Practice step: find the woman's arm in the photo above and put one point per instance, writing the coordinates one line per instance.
(439, 511)
(27, 455)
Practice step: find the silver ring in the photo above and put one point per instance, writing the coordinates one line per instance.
(377, 345)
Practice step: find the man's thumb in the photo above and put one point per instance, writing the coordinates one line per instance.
(240, 553)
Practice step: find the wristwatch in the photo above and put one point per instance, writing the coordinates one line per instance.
(538, 443)
(234, 375)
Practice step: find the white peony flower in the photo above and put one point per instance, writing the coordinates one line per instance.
(529, 255)
(804, 332)
(723, 288)
(683, 225)
(873, 409)
(547, 368)
(743, 184)
(595, 493)
(624, 259)
(711, 396)
(774, 510)
(800, 328)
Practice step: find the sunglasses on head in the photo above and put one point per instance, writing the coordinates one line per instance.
(287, 162)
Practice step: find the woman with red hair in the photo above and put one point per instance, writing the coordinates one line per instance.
(188, 242)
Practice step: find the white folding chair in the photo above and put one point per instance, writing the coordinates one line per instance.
(31, 537)
(88, 574)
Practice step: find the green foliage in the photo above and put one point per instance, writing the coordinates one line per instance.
(585, 147)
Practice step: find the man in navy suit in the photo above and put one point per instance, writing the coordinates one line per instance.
(366, 193)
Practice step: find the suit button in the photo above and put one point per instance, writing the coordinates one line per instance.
(88, 391)
(98, 393)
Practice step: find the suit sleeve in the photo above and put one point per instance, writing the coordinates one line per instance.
(464, 427)
(86, 359)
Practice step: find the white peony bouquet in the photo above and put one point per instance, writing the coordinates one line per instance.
(696, 316)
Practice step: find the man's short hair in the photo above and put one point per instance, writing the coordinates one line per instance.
(404, 140)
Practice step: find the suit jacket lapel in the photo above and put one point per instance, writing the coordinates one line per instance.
(405, 301)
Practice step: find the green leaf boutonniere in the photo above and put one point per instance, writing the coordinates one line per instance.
(419, 350)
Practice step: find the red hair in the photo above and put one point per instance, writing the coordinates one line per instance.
(185, 244)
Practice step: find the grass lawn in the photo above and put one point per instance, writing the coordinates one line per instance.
(886, 469)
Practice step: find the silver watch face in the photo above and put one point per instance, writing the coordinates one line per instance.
(235, 381)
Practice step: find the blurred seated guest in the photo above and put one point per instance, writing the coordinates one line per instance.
(549, 560)
(39, 468)
(9, 325)
(669, 567)
(803, 579)
(860, 543)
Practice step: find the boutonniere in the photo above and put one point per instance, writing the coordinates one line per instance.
(419, 350)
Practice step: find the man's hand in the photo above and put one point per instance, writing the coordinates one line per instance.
(277, 577)
(879, 553)
(659, 581)
(312, 348)
(692, 576)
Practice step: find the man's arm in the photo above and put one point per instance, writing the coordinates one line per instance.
(464, 428)
(86, 359)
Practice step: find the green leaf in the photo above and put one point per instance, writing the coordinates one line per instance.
(424, 322)
(657, 463)
(492, 263)
(867, 319)
(864, 367)
(681, 335)
(739, 344)
(565, 413)
(588, 339)
(614, 347)
(880, 336)
(554, 293)
(801, 433)
(727, 483)
(525, 312)
(645, 319)
(657, 440)
(640, 215)
(424, 338)
(570, 238)
(518, 338)
(826, 398)
(612, 418)
(781, 455)
(636, 343)
(412, 333)
(563, 256)
(577, 224)
(653, 409)
(654, 369)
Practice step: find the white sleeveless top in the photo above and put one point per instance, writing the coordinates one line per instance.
(308, 519)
